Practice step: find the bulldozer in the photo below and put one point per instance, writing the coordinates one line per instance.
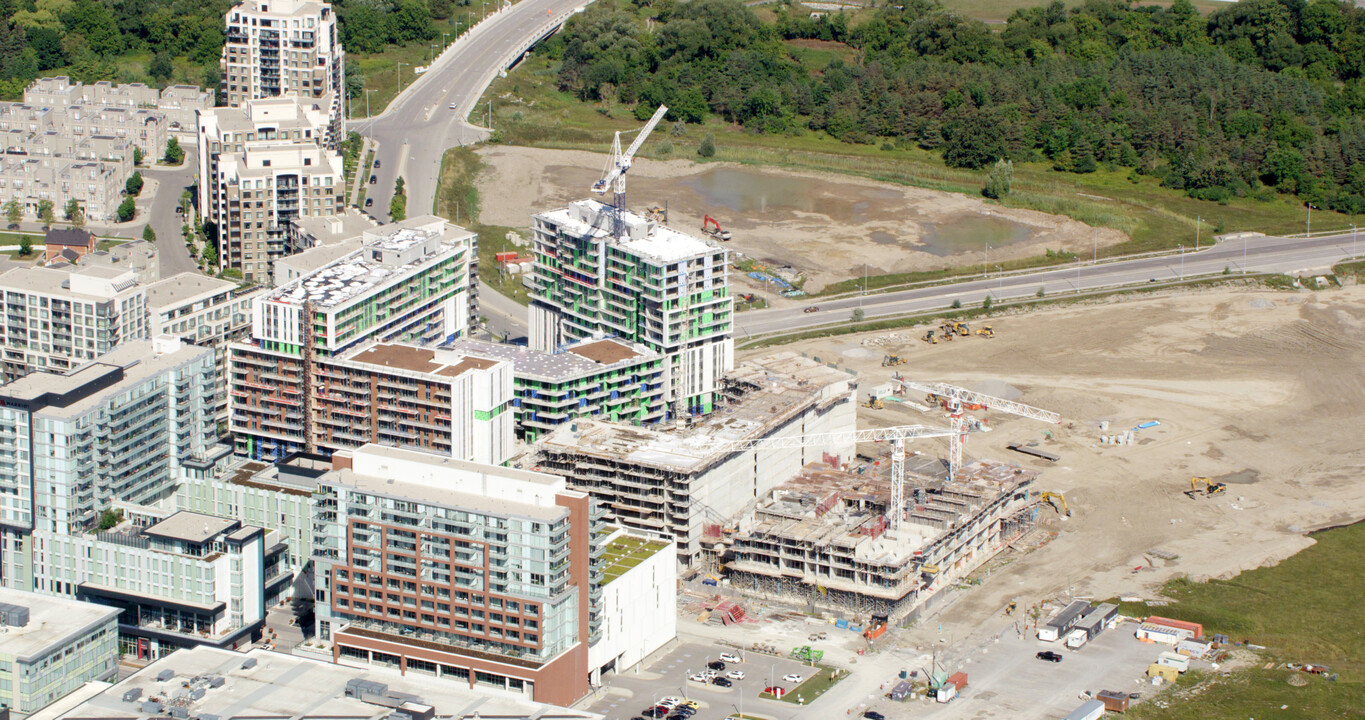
(893, 360)
(986, 332)
(1058, 501)
(1204, 487)
(930, 338)
(874, 403)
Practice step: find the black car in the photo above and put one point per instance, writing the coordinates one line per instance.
(874, 715)
(655, 712)
(374, 179)
(716, 665)
(369, 202)
(722, 682)
(1050, 656)
(376, 164)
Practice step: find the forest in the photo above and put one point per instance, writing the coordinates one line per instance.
(93, 40)
(1263, 97)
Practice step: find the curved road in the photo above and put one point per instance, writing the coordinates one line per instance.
(415, 130)
(1257, 254)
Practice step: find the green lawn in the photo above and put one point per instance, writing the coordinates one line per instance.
(821, 680)
(530, 110)
(1306, 609)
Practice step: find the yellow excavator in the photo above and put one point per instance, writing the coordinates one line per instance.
(1058, 501)
(986, 332)
(1205, 487)
(958, 327)
(893, 360)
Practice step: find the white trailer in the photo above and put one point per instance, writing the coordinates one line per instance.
(1077, 638)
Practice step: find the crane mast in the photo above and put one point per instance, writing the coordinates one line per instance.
(957, 397)
(614, 175)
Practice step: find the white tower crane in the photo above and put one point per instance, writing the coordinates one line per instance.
(957, 397)
(619, 163)
(897, 435)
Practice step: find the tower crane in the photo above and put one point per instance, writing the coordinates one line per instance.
(619, 163)
(957, 397)
(897, 435)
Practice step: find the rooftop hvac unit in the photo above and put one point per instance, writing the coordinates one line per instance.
(248, 663)
(132, 696)
(151, 707)
(165, 675)
(216, 681)
(180, 713)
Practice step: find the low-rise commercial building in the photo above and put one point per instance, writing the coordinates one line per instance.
(204, 311)
(602, 378)
(261, 684)
(186, 580)
(60, 318)
(676, 480)
(116, 429)
(436, 563)
(50, 647)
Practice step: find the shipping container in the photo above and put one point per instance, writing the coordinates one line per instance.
(1151, 632)
(1114, 701)
(1089, 710)
(1196, 630)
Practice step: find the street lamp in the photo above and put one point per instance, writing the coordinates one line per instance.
(1308, 229)
(1182, 261)
(986, 260)
(445, 35)
(1000, 285)
(1197, 222)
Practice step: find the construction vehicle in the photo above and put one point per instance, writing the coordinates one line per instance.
(986, 332)
(1058, 501)
(956, 400)
(874, 403)
(614, 175)
(1205, 487)
(657, 214)
(1012, 606)
(877, 627)
(892, 360)
(806, 654)
(954, 326)
(706, 223)
(930, 338)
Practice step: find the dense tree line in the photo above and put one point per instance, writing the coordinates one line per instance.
(1264, 96)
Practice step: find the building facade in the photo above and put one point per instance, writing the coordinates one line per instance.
(285, 47)
(687, 480)
(116, 429)
(649, 284)
(58, 319)
(437, 562)
(606, 379)
(203, 311)
(261, 166)
(178, 103)
(51, 647)
(45, 159)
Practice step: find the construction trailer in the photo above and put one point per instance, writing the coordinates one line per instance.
(1098, 620)
(1114, 701)
(1089, 710)
(1194, 648)
(1063, 622)
(902, 691)
(1175, 660)
(952, 687)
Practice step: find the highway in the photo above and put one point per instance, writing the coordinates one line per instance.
(1255, 254)
(415, 130)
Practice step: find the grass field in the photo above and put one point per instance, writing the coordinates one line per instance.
(1306, 609)
(530, 110)
(457, 200)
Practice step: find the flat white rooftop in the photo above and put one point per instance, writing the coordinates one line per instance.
(661, 243)
(286, 686)
(355, 274)
(52, 623)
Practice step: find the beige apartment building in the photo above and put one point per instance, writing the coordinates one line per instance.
(178, 103)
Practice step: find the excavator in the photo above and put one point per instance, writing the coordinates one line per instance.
(1204, 487)
(707, 222)
(1058, 501)
(947, 331)
(986, 332)
(954, 326)
(930, 338)
(892, 360)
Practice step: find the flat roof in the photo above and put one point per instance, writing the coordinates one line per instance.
(191, 527)
(352, 275)
(662, 243)
(625, 552)
(52, 623)
(57, 282)
(419, 359)
(444, 496)
(185, 287)
(278, 685)
(332, 229)
(573, 362)
(138, 360)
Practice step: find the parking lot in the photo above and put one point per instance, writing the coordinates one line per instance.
(624, 696)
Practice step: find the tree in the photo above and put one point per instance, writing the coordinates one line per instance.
(110, 519)
(957, 304)
(25, 245)
(138, 155)
(13, 213)
(355, 79)
(398, 208)
(148, 233)
(857, 316)
(45, 212)
(213, 80)
(161, 67)
(1040, 292)
(708, 146)
(210, 255)
(74, 214)
(134, 184)
(174, 153)
(999, 180)
(126, 210)
(986, 304)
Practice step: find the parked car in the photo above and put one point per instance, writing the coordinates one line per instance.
(374, 179)
(681, 713)
(1049, 656)
(452, 106)
(792, 678)
(716, 665)
(730, 657)
(655, 712)
(697, 677)
(722, 682)
(376, 164)
(735, 674)
(670, 702)
(369, 202)
(691, 705)
(874, 715)
(708, 674)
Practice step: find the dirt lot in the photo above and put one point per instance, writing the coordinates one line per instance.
(827, 227)
(1258, 389)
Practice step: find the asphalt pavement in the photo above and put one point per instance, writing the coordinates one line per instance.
(160, 212)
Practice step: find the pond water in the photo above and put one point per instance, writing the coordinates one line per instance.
(972, 233)
(752, 192)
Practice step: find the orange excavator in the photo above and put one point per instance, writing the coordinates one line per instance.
(707, 222)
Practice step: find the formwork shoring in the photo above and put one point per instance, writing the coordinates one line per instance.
(797, 593)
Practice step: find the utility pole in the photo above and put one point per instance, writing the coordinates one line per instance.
(1182, 261)
(1308, 229)
(1197, 221)
(1094, 246)
(986, 261)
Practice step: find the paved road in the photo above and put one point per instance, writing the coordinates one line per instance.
(418, 126)
(171, 182)
(1259, 254)
(506, 317)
